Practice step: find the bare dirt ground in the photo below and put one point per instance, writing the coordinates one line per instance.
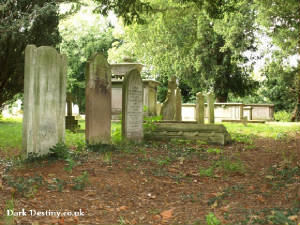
(160, 183)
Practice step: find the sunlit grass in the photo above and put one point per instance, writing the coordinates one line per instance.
(11, 132)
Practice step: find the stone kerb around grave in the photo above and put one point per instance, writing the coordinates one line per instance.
(44, 99)
(98, 101)
(132, 106)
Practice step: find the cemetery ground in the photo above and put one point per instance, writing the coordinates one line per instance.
(253, 180)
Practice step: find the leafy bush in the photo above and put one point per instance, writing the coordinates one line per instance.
(27, 187)
(211, 219)
(282, 116)
(81, 181)
(60, 151)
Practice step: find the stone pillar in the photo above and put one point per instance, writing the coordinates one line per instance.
(178, 116)
(98, 101)
(242, 111)
(158, 108)
(44, 99)
(69, 104)
(132, 106)
(211, 110)
(250, 113)
(169, 106)
(200, 108)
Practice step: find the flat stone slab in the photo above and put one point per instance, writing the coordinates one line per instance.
(209, 133)
(244, 121)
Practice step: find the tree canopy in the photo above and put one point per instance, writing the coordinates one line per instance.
(22, 23)
(185, 41)
(80, 41)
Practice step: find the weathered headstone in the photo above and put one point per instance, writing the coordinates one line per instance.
(178, 116)
(98, 101)
(200, 108)
(169, 106)
(132, 106)
(44, 99)
(211, 110)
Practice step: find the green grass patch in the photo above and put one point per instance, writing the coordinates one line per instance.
(275, 130)
(10, 134)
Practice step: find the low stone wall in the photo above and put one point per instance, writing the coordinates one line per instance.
(210, 133)
(231, 111)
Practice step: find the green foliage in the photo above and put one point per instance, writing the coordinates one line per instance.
(282, 116)
(23, 23)
(81, 181)
(60, 151)
(225, 165)
(27, 187)
(194, 47)
(209, 172)
(281, 22)
(79, 46)
(214, 150)
(102, 148)
(116, 133)
(282, 84)
(149, 123)
(230, 166)
(211, 219)
(277, 216)
(57, 184)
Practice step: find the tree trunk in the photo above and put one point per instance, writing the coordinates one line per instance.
(296, 111)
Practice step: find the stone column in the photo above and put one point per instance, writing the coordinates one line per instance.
(178, 116)
(211, 110)
(44, 99)
(69, 104)
(98, 101)
(242, 111)
(158, 108)
(132, 106)
(250, 113)
(200, 108)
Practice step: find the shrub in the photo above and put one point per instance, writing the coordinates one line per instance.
(282, 116)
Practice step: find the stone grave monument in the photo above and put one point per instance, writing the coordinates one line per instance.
(178, 116)
(211, 109)
(98, 101)
(44, 99)
(169, 106)
(132, 106)
(200, 108)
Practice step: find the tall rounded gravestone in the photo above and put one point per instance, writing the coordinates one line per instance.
(98, 101)
(44, 99)
(132, 106)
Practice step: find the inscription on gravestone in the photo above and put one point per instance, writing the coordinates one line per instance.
(132, 106)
